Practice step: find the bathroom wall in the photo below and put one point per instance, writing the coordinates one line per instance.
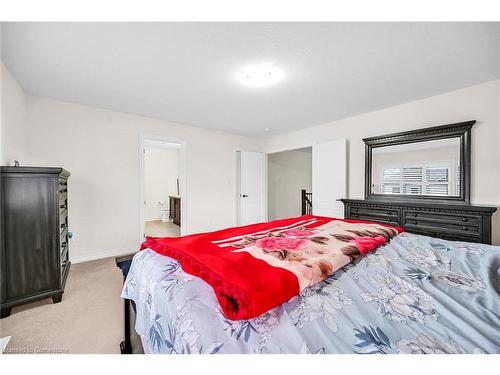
(161, 171)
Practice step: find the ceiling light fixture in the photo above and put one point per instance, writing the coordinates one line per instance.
(260, 75)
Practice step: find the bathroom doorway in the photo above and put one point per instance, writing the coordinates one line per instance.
(162, 170)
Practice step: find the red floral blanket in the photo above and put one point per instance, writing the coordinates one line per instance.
(255, 268)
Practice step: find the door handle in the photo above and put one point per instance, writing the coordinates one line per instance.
(244, 196)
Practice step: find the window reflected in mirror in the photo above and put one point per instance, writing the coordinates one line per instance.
(422, 168)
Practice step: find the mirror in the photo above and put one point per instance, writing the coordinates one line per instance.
(422, 168)
(431, 163)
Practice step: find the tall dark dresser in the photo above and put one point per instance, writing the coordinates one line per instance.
(34, 226)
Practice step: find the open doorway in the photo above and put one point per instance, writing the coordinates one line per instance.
(162, 182)
(289, 183)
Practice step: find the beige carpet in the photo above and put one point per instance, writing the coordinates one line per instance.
(88, 320)
(157, 228)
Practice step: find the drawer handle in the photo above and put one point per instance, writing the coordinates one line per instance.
(415, 222)
(356, 215)
(356, 209)
(64, 225)
(388, 212)
(388, 219)
(464, 219)
(414, 215)
(465, 228)
(63, 206)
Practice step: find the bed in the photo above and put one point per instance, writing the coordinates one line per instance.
(415, 294)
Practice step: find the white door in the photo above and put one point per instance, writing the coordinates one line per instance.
(329, 178)
(252, 194)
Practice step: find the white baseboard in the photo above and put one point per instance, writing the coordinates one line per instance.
(107, 254)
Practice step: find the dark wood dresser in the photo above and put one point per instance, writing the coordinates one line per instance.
(420, 180)
(34, 226)
(175, 209)
(460, 222)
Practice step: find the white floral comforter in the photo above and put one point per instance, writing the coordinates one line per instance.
(414, 295)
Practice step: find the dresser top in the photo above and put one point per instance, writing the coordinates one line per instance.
(409, 203)
(37, 170)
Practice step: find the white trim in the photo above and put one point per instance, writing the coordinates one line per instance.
(290, 148)
(236, 186)
(266, 187)
(182, 178)
(162, 145)
(108, 254)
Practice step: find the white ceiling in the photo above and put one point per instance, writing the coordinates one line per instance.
(185, 72)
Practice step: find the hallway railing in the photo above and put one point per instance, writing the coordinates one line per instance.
(306, 202)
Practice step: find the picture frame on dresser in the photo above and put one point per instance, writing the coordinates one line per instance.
(396, 198)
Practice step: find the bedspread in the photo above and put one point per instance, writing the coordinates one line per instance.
(415, 294)
(257, 267)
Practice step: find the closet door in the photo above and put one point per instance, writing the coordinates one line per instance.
(252, 195)
(329, 178)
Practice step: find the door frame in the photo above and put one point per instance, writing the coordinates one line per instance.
(291, 148)
(236, 185)
(182, 179)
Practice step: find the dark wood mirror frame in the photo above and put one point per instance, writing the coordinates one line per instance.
(461, 130)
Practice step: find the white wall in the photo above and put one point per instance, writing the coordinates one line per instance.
(12, 114)
(288, 173)
(101, 150)
(480, 102)
(161, 171)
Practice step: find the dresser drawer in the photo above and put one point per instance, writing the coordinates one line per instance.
(62, 191)
(468, 220)
(63, 244)
(63, 206)
(458, 237)
(453, 226)
(63, 184)
(450, 221)
(63, 200)
(453, 231)
(389, 216)
(63, 223)
(64, 260)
